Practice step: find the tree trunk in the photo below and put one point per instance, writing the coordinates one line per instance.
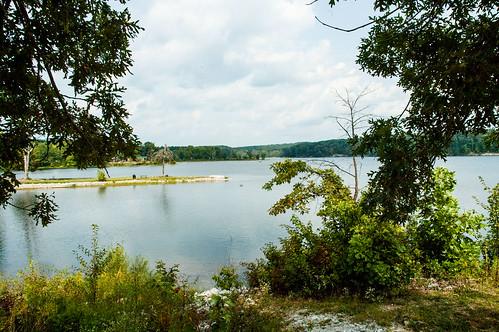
(26, 158)
(164, 156)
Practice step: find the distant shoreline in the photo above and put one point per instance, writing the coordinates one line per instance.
(115, 182)
(141, 163)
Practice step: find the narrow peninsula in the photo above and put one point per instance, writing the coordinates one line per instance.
(27, 184)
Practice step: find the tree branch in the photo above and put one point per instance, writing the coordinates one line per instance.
(25, 208)
(360, 26)
(335, 165)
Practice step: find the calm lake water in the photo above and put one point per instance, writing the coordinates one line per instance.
(200, 226)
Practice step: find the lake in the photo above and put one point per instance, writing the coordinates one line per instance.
(200, 226)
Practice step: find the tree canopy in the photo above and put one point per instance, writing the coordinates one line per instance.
(59, 66)
(445, 55)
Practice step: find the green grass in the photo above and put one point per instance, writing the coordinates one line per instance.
(470, 306)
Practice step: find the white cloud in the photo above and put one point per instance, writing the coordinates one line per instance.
(240, 73)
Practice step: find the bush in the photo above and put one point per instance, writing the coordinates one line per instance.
(446, 241)
(358, 249)
(230, 307)
(227, 279)
(101, 176)
(351, 250)
(491, 241)
(379, 258)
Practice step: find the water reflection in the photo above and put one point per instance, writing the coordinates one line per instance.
(163, 200)
(25, 199)
(102, 191)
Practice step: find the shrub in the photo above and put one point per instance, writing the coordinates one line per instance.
(351, 250)
(227, 279)
(358, 249)
(234, 308)
(446, 240)
(101, 176)
(379, 258)
(491, 241)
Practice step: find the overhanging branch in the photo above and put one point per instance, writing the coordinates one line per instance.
(358, 27)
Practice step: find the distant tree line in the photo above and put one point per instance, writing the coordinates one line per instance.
(53, 156)
(462, 145)
(199, 153)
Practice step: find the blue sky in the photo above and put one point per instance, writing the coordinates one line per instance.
(246, 72)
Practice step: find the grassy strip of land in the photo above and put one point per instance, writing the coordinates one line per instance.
(117, 181)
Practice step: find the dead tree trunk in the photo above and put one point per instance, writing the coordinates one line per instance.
(351, 123)
(26, 159)
(163, 160)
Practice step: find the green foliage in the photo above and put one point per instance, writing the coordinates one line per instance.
(304, 149)
(318, 149)
(48, 47)
(462, 145)
(447, 241)
(353, 249)
(101, 176)
(401, 173)
(111, 292)
(379, 257)
(227, 279)
(330, 187)
(51, 155)
(361, 250)
(44, 209)
(444, 55)
(92, 261)
(491, 241)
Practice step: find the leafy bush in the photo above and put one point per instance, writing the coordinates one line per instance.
(357, 249)
(227, 278)
(356, 254)
(491, 241)
(110, 293)
(379, 257)
(446, 241)
(101, 176)
(234, 308)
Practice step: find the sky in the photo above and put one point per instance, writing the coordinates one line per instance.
(237, 73)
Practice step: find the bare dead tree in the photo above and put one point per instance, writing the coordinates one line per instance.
(26, 159)
(352, 123)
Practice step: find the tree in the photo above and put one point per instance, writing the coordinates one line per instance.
(59, 66)
(445, 54)
(147, 150)
(164, 156)
(351, 123)
(26, 159)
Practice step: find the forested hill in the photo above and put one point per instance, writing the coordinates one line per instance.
(461, 146)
